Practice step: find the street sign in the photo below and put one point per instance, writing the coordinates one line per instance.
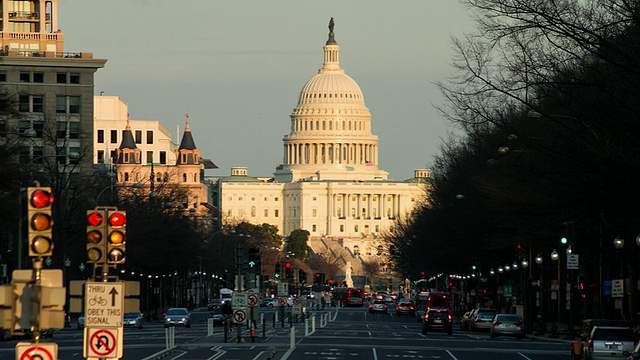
(283, 289)
(239, 300)
(239, 316)
(252, 300)
(617, 288)
(296, 309)
(104, 302)
(282, 301)
(103, 343)
(573, 262)
(40, 351)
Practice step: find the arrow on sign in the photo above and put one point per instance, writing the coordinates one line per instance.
(113, 294)
(103, 340)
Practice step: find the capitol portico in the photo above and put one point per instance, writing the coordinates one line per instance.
(329, 182)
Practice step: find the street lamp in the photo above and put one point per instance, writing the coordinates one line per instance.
(618, 242)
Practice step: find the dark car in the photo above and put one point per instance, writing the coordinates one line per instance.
(214, 303)
(177, 316)
(437, 320)
(405, 307)
(133, 319)
(219, 319)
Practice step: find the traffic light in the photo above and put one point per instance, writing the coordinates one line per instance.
(302, 276)
(50, 303)
(288, 270)
(96, 229)
(40, 221)
(254, 258)
(116, 236)
(564, 233)
(276, 273)
(316, 278)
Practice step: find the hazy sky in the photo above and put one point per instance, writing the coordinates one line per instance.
(237, 67)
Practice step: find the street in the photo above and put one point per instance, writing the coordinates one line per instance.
(355, 334)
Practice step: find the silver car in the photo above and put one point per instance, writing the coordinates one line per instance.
(378, 306)
(177, 317)
(608, 342)
(507, 324)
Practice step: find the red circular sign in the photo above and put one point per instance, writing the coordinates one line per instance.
(282, 301)
(239, 316)
(252, 299)
(102, 342)
(36, 353)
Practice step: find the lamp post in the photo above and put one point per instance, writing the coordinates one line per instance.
(539, 293)
(618, 244)
(556, 258)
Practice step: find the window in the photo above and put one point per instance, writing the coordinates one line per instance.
(253, 211)
(313, 228)
(276, 199)
(31, 103)
(61, 78)
(25, 76)
(38, 77)
(356, 250)
(266, 212)
(149, 137)
(68, 128)
(68, 104)
(3, 76)
(314, 212)
(377, 227)
(163, 157)
(276, 213)
(315, 198)
(113, 137)
(341, 228)
(100, 136)
(67, 78)
(339, 212)
(74, 78)
(149, 157)
(138, 136)
(100, 159)
(355, 228)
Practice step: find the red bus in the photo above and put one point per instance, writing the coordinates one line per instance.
(426, 300)
(348, 296)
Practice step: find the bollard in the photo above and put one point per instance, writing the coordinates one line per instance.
(252, 332)
(292, 337)
(306, 329)
(264, 327)
(239, 333)
(313, 324)
(209, 327)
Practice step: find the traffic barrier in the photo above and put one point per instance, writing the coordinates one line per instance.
(292, 338)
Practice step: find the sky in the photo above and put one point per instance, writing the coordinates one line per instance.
(238, 66)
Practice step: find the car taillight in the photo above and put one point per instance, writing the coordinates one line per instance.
(426, 315)
(370, 306)
(449, 317)
(385, 306)
(410, 307)
(497, 323)
(398, 307)
(518, 325)
(590, 345)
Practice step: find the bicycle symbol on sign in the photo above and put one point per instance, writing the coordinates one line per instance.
(99, 300)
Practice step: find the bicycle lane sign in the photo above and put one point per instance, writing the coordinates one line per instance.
(104, 304)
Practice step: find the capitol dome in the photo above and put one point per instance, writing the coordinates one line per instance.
(330, 134)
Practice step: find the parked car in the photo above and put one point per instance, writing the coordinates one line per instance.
(439, 320)
(482, 320)
(133, 319)
(507, 324)
(378, 306)
(579, 344)
(606, 342)
(268, 302)
(405, 307)
(219, 319)
(177, 316)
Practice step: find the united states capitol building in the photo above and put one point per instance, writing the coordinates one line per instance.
(329, 182)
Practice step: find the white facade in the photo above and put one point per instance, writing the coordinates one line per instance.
(329, 182)
(110, 119)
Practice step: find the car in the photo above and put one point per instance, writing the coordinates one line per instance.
(439, 320)
(606, 342)
(389, 300)
(378, 306)
(405, 307)
(268, 302)
(507, 324)
(177, 316)
(579, 344)
(482, 320)
(219, 319)
(214, 303)
(132, 319)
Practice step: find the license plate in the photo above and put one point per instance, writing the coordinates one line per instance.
(437, 321)
(613, 347)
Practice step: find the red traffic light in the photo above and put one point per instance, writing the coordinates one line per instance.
(95, 218)
(117, 219)
(287, 265)
(41, 198)
(330, 282)
(318, 275)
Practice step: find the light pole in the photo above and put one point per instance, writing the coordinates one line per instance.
(556, 258)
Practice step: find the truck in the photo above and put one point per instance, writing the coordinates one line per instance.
(225, 296)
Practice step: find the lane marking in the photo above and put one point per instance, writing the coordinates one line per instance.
(450, 354)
